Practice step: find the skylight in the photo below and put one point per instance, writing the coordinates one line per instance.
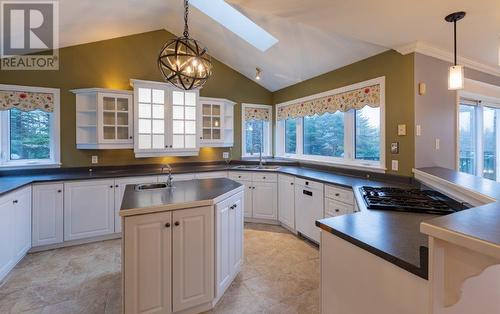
(236, 22)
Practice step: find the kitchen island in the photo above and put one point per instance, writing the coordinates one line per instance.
(182, 245)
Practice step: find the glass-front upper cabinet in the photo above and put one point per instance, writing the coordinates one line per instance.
(166, 123)
(115, 117)
(104, 118)
(216, 122)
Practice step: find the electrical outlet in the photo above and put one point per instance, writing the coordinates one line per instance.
(225, 155)
(418, 130)
(401, 129)
(395, 165)
(437, 143)
(95, 159)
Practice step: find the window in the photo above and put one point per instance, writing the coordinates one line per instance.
(479, 131)
(291, 136)
(29, 138)
(367, 138)
(354, 138)
(256, 133)
(467, 135)
(324, 135)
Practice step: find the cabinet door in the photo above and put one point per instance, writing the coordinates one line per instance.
(286, 202)
(265, 200)
(247, 197)
(6, 235)
(193, 257)
(47, 214)
(184, 131)
(120, 185)
(223, 239)
(236, 233)
(212, 122)
(22, 223)
(115, 118)
(88, 208)
(147, 263)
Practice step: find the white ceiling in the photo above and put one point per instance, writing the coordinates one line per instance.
(315, 36)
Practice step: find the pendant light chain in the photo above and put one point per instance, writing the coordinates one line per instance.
(455, 39)
(186, 12)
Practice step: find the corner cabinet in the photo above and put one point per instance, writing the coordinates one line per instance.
(104, 118)
(166, 120)
(217, 122)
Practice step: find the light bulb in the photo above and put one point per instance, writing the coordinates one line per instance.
(194, 62)
(188, 69)
(216, 123)
(456, 77)
(200, 68)
(257, 77)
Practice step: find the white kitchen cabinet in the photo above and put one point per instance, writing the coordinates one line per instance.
(15, 228)
(211, 175)
(120, 185)
(229, 242)
(166, 120)
(217, 122)
(147, 263)
(193, 257)
(261, 194)
(88, 208)
(339, 201)
(265, 200)
(48, 214)
(104, 118)
(286, 203)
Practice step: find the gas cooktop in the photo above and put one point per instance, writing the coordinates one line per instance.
(410, 200)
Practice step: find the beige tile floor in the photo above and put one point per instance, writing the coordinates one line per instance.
(280, 274)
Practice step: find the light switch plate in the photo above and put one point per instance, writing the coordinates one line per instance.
(95, 159)
(225, 155)
(418, 130)
(437, 144)
(394, 165)
(401, 129)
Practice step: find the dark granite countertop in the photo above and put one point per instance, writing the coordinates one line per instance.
(182, 193)
(392, 235)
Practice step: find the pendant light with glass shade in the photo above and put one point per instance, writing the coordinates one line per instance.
(456, 72)
(183, 62)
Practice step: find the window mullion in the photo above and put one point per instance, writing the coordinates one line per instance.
(479, 141)
(349, 135)
(300, 137)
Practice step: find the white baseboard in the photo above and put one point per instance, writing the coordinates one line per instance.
(75, 242)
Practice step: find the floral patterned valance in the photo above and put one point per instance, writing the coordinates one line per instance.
(26, 101)
(252, 113)
(354, 99)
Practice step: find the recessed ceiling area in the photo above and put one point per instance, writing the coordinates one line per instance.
(314, 37)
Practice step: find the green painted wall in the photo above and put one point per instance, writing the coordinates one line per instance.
(110, 64)
(399, 97)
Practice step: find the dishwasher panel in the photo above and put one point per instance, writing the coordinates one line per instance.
(308, 209)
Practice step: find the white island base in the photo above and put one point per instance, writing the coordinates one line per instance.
(355, 281)
(181, 259)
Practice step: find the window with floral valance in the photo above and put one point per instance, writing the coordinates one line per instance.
(345, 101)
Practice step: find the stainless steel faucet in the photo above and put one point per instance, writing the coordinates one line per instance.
(169, 178)
(261, 161)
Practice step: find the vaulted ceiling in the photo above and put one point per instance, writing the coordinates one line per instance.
(315, 36)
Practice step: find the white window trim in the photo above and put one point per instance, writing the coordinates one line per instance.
(348, 161)
(267, 140)
(486, 95)
(55, 141)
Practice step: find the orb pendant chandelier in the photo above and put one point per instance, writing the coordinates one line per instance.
(183, 62)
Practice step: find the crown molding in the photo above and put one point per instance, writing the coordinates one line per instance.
(438, 53)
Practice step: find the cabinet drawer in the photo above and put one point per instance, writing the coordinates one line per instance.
(264, 177)
(240, 175)
(309, 183)
(334, 208)
(339, 194)
(286, 178)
